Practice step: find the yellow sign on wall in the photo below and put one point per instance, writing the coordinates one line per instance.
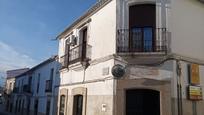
(195, 93)
(194, 74)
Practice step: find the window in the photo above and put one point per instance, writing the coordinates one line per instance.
(78, 105)
(38, 84)
(51, 74)
(48, 107)
(84, 43)
(66, 56)
(62, 105)
(29, 83)
(142, 25)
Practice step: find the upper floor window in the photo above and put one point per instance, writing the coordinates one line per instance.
(38, 82)
(62, 105)
(84, 43)
(142, 22)
(76, 50)
(142, 34)
(78, 105)
(51, 74)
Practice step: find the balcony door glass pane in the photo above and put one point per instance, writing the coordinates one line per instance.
(148, 39)
(136, 34)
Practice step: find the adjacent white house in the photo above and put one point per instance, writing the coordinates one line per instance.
(141, 57)
(35, 91)
(9, 86)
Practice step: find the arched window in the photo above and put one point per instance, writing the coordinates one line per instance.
(78, 105)
(62, 105)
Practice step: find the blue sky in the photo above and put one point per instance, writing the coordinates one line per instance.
(27, 28)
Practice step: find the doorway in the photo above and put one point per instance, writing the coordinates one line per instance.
(142, 102)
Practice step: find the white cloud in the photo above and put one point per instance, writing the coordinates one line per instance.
(12, 59)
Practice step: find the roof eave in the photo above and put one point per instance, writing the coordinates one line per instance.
(100, 4)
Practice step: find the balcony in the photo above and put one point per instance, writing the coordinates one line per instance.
(48, 86)
(78, 53)
(142, 41)
(26, 89)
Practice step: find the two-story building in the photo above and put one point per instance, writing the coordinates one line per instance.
(9, 85)
(141, 57)
(35, 91)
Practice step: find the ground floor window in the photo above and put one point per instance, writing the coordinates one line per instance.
(78, 105)
(62, 105)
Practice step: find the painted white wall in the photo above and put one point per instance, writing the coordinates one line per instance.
(102, 35)
(101, 32)
(44, 72)
(187, 27)
(102, 38)
(93, 72)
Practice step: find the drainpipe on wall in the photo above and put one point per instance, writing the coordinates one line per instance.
(179, 88)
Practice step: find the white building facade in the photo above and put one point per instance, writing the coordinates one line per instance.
(156, 48)
(35, 91)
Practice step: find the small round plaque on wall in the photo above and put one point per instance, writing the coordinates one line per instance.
(118, 70)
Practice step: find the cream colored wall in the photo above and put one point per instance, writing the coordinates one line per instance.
(101, 32)
(97, 93)
(102, 38)
(93, 72)
(99, 87)
(8, 81)
(187, 27)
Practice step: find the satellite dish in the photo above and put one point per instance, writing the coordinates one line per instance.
(118, 70)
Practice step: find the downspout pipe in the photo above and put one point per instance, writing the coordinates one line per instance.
(179, 87)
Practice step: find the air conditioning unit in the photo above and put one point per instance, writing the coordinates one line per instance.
(73, 40)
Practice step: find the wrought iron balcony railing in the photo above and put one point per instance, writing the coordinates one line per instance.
(48, 86)
(78, 53)
(142, 40)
